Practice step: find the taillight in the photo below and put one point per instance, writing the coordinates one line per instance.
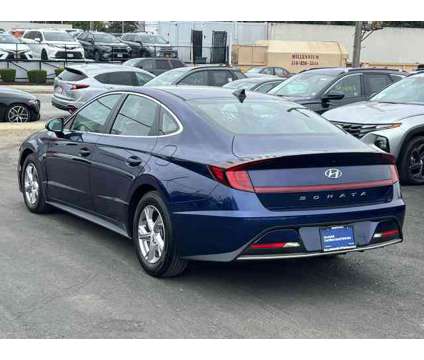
(79, 86)
(236, 178)
(395, 174)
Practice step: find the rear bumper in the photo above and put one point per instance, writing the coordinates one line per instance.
(63, 104)
(315, 254)
(225, 236)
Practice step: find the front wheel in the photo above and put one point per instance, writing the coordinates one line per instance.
(153, 238)
(18, 113)
(31, 187)
(411, 165)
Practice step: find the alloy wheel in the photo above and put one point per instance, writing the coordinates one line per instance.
(31, 185)
(18, 114)
(416, 162)
(151, 234)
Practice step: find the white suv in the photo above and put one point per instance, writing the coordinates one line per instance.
(52, 44)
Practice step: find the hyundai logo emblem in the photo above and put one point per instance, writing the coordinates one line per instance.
(333, 173)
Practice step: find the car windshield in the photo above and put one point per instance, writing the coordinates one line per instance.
(106, 38)
(57, 36)
(260, 116)
(307, 84)
(153, 39)
(167, 78)
(8, 39)
(408, 90)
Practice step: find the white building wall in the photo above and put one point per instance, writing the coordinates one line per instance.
(389, 45)
(10, 25)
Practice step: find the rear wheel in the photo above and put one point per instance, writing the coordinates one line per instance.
(411, 165)
(44, 56)
(18, 113)
(153, 238)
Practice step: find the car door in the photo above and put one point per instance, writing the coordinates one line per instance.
(351, 86)
(123, 154)
(69, 156)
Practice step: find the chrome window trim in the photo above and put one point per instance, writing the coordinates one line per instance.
(180, 125)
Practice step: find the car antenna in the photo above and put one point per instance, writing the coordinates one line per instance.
(240, 95)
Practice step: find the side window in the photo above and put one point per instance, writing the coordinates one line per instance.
(82, 37)
(136, 117)
(196, 78)
(377, 82)
(38, 36)
(268, 71)
(142, 78)
(280, 72)
(220, 77)
(167, 125)
(163, 64)
(176, 63)
(147, 65)
(126, 78)
(94, 116)
(396, 78)
(238, 74)
(350, 86)
(29, 35)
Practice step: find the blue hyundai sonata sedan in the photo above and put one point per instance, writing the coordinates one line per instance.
(193, 173)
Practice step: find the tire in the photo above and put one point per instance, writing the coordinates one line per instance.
(411, 164)
(36, 203)
(18, 113)
(44, 56)
(157, 255)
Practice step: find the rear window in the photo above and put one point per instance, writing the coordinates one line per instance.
(71, 75)
(259, 116)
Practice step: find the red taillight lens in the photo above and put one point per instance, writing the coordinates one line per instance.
(395, 174)
(79, 86)
(236, 178)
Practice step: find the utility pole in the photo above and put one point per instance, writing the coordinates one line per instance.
(357, 40)
(91, 25)
(123, 27)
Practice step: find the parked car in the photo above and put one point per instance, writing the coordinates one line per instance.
(198, 173)
(103, 46)
(260, 84)
(79, 83)
(201, 76)
(393, 121)
(327, 88)
(155, 66)
(18, 106)
(148, 45)
(268, 70)
(47, 44)
(12, 48)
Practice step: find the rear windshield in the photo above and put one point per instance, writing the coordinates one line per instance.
(71, 75)
(260, 116)
(57, 36)
(168, 78)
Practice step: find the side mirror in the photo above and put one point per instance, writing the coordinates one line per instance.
(55, 125)
(332, 95)
(71, 109)
(37, 40)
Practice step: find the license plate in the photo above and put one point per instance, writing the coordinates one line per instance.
(70, 55)
(337, 238)
(119, 55)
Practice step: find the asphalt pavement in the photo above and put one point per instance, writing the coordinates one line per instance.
(65, 277)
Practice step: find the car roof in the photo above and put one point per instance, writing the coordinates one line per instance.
(186, 92)
(95, 69)
(341, 70)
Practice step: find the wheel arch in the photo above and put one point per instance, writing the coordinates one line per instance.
(145, 184)
(24, 154)
(417, 131)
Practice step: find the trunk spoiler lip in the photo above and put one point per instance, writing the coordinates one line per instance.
(252, 163)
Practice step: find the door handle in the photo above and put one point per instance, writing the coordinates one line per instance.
(84, 152)
(134, 161)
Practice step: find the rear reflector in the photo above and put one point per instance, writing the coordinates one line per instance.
(276, 245)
